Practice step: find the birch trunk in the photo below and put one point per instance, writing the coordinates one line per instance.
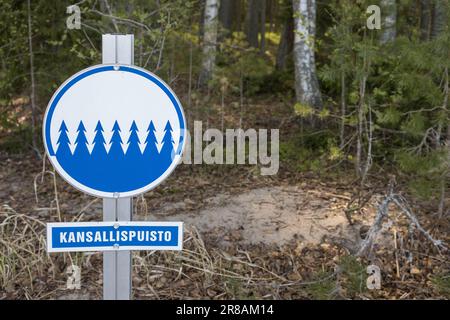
(306, 83)
(439, 17)
(209, 40)
(389, 28)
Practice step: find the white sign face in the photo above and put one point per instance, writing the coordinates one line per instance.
(114, 130)
(114, 236)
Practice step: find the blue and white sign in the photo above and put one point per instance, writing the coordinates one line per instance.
(113, 236)
(114, 130)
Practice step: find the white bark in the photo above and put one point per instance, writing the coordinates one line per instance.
(209, 40)
(439, 17)
(389, 13)
(306, 83)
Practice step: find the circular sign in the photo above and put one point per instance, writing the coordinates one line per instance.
(114, 130)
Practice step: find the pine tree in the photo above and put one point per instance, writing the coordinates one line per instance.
(81, 149)
(63, 142)
(133, 148)
(167, 148)
(116, 142)
(99, 150)
(150, 149)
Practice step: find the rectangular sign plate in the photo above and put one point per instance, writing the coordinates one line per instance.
(114, 236)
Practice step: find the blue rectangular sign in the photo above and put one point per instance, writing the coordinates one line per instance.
(114, 235)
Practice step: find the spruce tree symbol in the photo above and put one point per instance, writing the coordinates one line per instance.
(99, 150)
(167, 148)
(116, 150)
(81, 149)
(133, 147)
(150, 148)
(63, 151)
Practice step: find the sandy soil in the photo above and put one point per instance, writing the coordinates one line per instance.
(271, 215)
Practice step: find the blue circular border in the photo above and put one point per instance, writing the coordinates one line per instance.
(83, 75)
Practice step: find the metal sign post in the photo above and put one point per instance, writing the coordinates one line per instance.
(117, 265)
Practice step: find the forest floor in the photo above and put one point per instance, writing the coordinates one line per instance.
(246, 236)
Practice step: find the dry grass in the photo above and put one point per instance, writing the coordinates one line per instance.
(22, 250)
(199, 271)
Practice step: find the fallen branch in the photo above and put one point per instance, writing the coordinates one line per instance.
(383, 212)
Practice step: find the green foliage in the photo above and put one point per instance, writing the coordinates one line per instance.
(247, 67)
(303, 110)
(237, 289)
(17, 141)
(310, 151)
(442, 284)
(354, 274)
(391, 116)
(425, 171)
(350, 280)
(405, 80)
(405, 88)
(323, 285)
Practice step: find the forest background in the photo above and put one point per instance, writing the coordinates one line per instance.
(363, 108)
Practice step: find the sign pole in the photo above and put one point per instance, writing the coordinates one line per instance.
(117, 264)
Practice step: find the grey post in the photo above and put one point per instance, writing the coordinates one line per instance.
(117, 264)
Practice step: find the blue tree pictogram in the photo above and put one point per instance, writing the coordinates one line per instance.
(63, 142)
(150, 148)
(115, 170)
(167, 151)
(99, 150)
(116, 143)
(133, 147)
(81, 149)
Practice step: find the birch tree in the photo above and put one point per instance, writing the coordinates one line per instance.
(389, 28)
(439, 17)
(209, 40)
(306, 83)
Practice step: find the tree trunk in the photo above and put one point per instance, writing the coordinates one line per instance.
(439, 17)
(425, 19)
(306, 83)
(226, 15)
(209, 40)
(286, 43)
(270, 11)
(389, 13)
(239, 13)
(263, 26)
(343, 111)
(33, 84)
(252, 23)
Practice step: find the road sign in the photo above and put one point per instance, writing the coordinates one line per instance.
(114, 130)
(114, 236)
